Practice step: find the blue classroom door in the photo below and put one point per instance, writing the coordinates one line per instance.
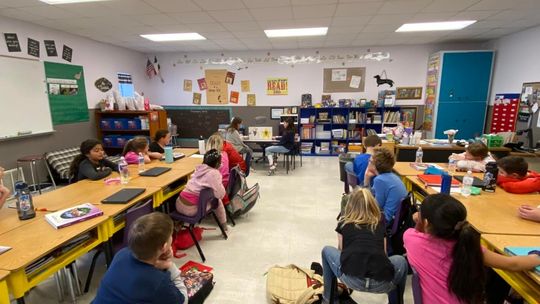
(467, 117)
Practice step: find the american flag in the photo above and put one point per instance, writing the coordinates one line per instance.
(150, 70)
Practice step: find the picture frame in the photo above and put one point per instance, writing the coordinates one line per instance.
(275, 113)
(408, 115)
(408, 93)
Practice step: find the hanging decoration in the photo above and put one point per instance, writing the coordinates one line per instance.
(385, 80)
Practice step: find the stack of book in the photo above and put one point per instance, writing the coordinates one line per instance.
(355, 133)
(392, 117)
(324, 148)
(357, 117)
(308, 132)
(338, 119)
(305, 147)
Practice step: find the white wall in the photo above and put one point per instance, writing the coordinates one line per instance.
(98, 59)
(516, 61)
(408, 68)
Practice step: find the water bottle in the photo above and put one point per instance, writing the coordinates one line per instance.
(141, 162)
(25, 205)
(202, 148)
(123, 170)
(452, 166)
(419, 155)
(467, 184)
(490, 177)
(446, 183)
(169, 157)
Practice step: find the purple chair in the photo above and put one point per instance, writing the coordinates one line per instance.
(131, 216)
(352, 180)
(205, 197)
(248, 163)
(416, 288)
(395, 236)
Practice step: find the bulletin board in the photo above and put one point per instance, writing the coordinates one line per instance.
(337, 80)
(67, 93)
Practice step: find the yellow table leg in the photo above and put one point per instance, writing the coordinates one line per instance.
(4, 294)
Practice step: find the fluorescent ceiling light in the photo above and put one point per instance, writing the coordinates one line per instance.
(310, 31)
(435, 26)
(174, 37)
(69, 1)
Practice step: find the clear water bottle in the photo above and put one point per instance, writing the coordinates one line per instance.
(419, 155)
(141, 162)
(467, 184)
(452, 166)
(490, 177)
(25, 205)
(123, 170)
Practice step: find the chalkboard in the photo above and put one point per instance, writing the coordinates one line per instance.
(193, 122)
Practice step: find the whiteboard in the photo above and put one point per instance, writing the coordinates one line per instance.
(24, 104)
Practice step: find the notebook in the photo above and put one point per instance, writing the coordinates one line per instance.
(478, 183)
(521, 251)
(156, 171)
(73, 215)
(123, 196)
(434, 180)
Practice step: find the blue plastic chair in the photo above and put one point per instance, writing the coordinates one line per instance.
(416, 288)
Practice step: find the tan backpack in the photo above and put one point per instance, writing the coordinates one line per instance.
(293, 285)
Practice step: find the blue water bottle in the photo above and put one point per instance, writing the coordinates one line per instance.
(168, 155)
(446, 183)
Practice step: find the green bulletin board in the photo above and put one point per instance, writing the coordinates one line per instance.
(67, 93)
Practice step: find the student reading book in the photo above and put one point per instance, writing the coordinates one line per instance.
(515, 177)
(475, 157)
(144, 272)
(91, 163)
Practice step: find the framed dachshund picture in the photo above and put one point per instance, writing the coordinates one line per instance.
(409, 93)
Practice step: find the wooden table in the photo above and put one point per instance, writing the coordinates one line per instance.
(36, 239)
(526, 283)
(4, 292)
(439, 153)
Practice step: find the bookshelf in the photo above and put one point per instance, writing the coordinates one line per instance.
(330, 131)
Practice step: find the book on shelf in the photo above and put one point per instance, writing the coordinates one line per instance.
(338, 119)
(377, 118)
(355, 133)
(371, 132)
(73, 215)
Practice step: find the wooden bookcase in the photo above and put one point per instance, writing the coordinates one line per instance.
(114, 128)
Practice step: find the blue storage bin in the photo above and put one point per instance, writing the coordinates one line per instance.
(120, 123)
(134, 124)
(110, 141)
(106, 124)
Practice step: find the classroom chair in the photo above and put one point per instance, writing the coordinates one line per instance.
(248, 163)
(402, 221)
(32, 160)
(131, 216)
(205, 197)
(416, 288)
(352, 181)
(290, 157)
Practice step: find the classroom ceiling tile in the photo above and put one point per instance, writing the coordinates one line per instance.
(21, 15)
(49, 11)
(284, 44)
(249, 34)
(315, 2)
(213, 5)
(265, 3)
(174, 6)
(357, 9)
(217, 35)
(525, 23)
(438, 6)
(239, 15)
(272, 13)
(193, 17)
(511, 15)
(390, 19)
(156, 19)
(19, 3)
(277, 24)
(91, 9)
(350, 21)
(130, 7)
(403, 6)
(241, 26)
(310, 44)
(172, 28)
(380, 28)
(313, 11)
(474, 15)
(316, 22)
(493, 4)
(210, 27)
(431, 17)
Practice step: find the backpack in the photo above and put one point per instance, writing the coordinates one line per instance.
(241, 198)
(293, 285)
(198, 280)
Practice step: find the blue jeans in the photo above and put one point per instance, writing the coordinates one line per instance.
(349, 167)
(274, 149)
(332, 268)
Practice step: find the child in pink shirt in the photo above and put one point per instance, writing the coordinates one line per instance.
(445, 251)
(132, 149)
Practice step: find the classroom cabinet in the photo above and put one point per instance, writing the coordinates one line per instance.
(457, 93)
(115, 128)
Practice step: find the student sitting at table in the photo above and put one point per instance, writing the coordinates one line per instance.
(360, 260)
(515, 177)
(134, 147)
(4, 192)
(91, 163)
(445, 251)
(286, 144)
(161, 139)
(360, 163)
(475, 157)
(216, 142)
(233, 137)
(206, 175)
(144, 272)
(387, 187)
(235, 159)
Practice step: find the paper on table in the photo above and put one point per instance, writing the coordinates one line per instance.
(4, 249)
(197, 156)
(534, 107)
(452, 189)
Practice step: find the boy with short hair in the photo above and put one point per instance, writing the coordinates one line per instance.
(475, 157)
(387, 187)
(360, 163)
(515, 177)
(144, 272)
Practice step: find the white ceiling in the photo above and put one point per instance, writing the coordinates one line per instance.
(239, 24)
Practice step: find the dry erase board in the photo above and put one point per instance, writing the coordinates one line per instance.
(193, 122)
(23, 102)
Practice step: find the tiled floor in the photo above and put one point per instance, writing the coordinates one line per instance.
(294, 218)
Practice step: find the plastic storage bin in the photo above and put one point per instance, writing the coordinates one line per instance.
(493, 141)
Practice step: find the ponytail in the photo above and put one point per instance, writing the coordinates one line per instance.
(136, 145)
(128, 147)
(466, 278)
(447, 218)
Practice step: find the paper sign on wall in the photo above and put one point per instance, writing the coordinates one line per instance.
(202, 84)
(12, 42)
(50, 48)
(67, 53)
(245, 86)
(277, 86)
(217, 91)
(339, 74)
(234, 96)
(33, 47)
(355, 81)
(251, 100)
(187, 85)
(197, 98)
(229, 78)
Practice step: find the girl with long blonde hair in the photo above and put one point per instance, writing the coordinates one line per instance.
(360, 261)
